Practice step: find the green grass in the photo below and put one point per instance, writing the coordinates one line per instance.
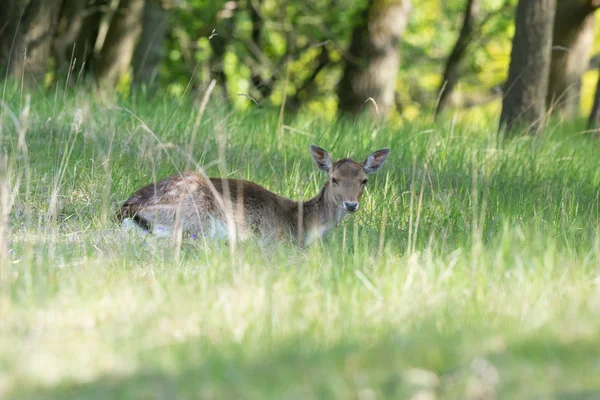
(471, 271)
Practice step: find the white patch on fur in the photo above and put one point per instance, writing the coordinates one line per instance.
(317, 232)
(161, 231)
(218, 229)
(129, 225)
(215, 229)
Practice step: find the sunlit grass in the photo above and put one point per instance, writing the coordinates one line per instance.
(470, 272)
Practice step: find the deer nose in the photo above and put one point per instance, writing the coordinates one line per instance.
(350, 205)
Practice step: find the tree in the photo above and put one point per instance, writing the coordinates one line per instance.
(39, 27)
(451, 71)
(76, 36)
(117, 51)
(88, 36)
(11, 35)
(150, 51)
(69, 25)
(528, 74)
(571, 45)
(372, 59)
(594, 119)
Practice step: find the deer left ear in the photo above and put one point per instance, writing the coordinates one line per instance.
(375, 160)
(321, 158)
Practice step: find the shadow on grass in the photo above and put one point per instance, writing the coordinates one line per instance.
(294, 369)
(398, 368)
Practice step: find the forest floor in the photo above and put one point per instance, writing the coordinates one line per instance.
(471, 271)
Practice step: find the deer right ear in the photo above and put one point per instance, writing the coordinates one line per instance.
(376, 160)
(321, 158)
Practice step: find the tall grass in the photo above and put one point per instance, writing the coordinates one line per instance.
(471, 270)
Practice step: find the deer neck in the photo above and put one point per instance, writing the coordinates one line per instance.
(320, 215)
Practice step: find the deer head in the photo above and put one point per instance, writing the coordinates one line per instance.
(346, 179)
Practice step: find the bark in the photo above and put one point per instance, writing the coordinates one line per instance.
(372, 60)
(528, 74)
(571, 46)
(150, 50)
(451, 71)
(594, 120)
(11, 51)
(594, 62)
(117, 51)
(39, 27)
(69, 26)
(85, 43)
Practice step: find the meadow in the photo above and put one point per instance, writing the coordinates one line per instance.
(470, 272)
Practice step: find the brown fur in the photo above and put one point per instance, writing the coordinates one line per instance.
(203, 206)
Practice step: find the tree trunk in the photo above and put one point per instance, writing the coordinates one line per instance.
(39, 26)
(372, 59)
(69, 26)
(150, 49)
(527, 85)
(117, 51)
(88, 36)
(594, 120)
(571, 46)
(11, 38)
(451, 71)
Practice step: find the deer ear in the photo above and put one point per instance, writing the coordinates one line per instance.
(321, 158)
(375, 160)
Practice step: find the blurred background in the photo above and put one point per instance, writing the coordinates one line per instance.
(327, 57)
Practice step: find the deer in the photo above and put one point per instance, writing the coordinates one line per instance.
(219, 208)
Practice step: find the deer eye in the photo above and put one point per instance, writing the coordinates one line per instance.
(334, 181)
(364, 182)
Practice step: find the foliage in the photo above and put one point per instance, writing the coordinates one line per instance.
(430, 35)
(271, 54)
